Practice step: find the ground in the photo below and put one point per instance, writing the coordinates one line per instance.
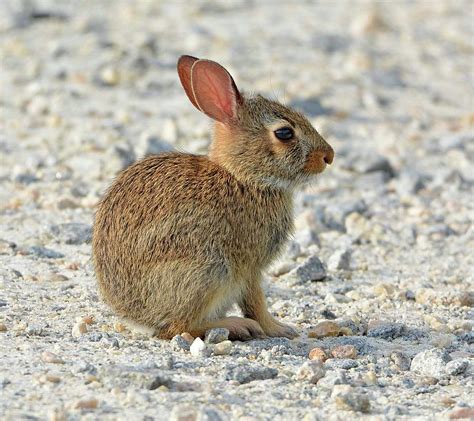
(384, 243)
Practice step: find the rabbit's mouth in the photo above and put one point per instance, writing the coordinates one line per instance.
(318, 161)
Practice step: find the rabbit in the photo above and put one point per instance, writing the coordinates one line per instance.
(178, 239)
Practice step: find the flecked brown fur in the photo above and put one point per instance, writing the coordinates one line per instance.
(179, 238)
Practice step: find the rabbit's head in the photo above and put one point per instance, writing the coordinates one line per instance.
(256, 139)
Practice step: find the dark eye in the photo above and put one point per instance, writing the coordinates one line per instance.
(285, 134)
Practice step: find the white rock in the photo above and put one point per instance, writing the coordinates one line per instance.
(198, 348)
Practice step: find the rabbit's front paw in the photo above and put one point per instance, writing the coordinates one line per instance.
(276, 329)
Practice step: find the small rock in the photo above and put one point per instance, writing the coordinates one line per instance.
(187, 337)
(49, 357)
(109, 76)
(384, 330)
(456, 367)
(198, 348)
(53, 277)
(332, 378)
(79, 329)
(44, 252)
(346, 398)
(462, 414)
(215, 336)
(401, 360)
(249, 373)
(323, 329)
(430, 363)
(340, 260)
(86, 404)
(341, 363)
(74, 233)
(223, 348)
(310, 270)
(178, 343)
(3, 327)
(318, 354)
(312, 371)
(344, 351)
(364, 163)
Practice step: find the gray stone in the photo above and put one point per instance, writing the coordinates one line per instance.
(44, 252)
(214, 336)
(340, 363)
(340, 260)
(430, 363)
(311, 269)
(249, 373)
(402, 361)
(178, 343)
(346, 398)
(312, 371)
(386, 330)
(332, 378)
(334, 215)
(456, 367)
(367, 162)
(74, 233)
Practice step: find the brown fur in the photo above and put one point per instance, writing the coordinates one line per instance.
(179, 238)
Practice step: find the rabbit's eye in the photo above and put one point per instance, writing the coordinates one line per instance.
(285, 134)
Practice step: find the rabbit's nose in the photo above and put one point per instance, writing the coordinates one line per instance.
(329, 156)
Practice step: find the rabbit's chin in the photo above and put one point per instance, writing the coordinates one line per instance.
(300, 181)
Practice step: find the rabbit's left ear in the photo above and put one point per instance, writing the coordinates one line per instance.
(185, 63)
(215, 92)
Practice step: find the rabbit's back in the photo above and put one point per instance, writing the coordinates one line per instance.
(183, 208)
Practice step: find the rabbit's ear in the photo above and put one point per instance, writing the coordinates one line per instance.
(185, 63)
(215, 91)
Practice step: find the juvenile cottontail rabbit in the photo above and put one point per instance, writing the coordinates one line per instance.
(179, 238)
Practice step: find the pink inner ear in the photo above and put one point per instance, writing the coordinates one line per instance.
(215, 91)
(185, 63)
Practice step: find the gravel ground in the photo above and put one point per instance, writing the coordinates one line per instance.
(378, 278)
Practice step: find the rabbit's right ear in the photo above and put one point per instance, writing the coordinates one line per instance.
(215, 91)
(185, 64)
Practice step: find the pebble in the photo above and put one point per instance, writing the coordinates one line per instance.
(318, 354)
(456, 367)
(340, 260)
(344, 351)
(39, 251)
(179, 343)
(223, 348)
(74, 233)
(187, 337)
(312, 371)
(198, 348)
(431, 362)
(79, 329)
(402, 361)
(310, 270)
(50, 357)
(346, 398)
(249, 373)
(323, 329)
(341, 363)
(3, 327)
(384, 330)
(461, 414)
(91, 403)
(332, 378)
(215, 336)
